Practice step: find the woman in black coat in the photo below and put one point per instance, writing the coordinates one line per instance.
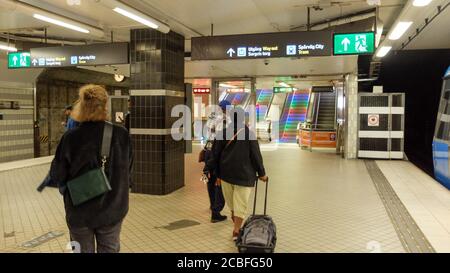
(237, 162)
(98, 220)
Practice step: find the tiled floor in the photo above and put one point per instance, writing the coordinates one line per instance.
(427, 201)
(320, 203)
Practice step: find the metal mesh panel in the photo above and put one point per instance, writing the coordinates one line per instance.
(397, 122)
(374, 101)
(397, 100)
(373, 144)
(396, 144)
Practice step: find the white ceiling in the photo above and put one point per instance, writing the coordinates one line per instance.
(194, 17)
(336, 65)
(436, 34)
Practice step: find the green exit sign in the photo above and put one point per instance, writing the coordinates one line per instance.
(19, 60)
(283, 89)
(354, 43)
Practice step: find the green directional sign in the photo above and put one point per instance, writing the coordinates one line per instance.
(19, 60)
(283, 89)
(354, 43)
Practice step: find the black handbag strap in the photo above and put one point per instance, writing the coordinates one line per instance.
(265, 198)
(106, 142)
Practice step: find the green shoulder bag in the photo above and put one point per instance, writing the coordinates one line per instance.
(93, 183)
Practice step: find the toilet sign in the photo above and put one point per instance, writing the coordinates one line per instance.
(373, 120)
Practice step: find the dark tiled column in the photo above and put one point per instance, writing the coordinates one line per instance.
(157, 84)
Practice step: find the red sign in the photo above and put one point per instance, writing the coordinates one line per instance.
(201, 90)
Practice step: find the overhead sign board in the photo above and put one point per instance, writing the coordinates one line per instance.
(322, 89)
(86, 55)
(201, 90)
(19, 60)
(283, 89)
(265, 45)
(353, 43)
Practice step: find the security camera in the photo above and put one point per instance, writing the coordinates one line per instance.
(266, 62)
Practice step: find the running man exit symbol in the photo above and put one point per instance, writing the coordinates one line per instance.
(361, 43)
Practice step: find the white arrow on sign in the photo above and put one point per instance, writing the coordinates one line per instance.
(15, 60)
(34, 62)
(345, 43)
(231, 52)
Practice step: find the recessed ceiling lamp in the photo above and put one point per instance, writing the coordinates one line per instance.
(382, 51)
(399, 30)
(7, 47)
(421, 3)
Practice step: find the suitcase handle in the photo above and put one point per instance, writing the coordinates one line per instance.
(265, 198)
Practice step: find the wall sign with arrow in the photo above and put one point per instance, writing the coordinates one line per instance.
(19, 60)
(354, 43)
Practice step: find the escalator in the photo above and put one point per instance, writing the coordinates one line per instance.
(294, 112)
(319, 130)
(263, 100)
(326, 115)
(238, 98)
(322, 110)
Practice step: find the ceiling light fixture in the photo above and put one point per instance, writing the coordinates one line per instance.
(52, 15)
(383, 51)
(284, 84)
(7, 47)
(136, 18)
(399, 30)
(136, 15)
(60, 23)
(227, 85)
(421, 3)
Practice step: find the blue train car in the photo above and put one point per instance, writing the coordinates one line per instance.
(441, 140)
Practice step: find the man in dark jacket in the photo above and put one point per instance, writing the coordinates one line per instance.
(237, 163)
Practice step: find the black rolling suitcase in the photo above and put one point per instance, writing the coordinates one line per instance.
(259, 233)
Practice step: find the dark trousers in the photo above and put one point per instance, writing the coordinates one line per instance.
(107, 238)
(216, 198)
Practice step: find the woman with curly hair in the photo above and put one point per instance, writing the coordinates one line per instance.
(96, 223)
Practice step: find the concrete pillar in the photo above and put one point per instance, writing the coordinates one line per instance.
(351, 116)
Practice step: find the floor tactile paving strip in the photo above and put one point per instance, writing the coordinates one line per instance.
(412, 238)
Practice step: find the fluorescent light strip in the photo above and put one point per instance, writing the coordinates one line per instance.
(383, 51)
(399, 30)
(227, 85)
(136, 18)
(60, 23)
(421, 3)
(284, 84)
(7, 47)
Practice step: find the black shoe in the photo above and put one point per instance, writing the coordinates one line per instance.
(218, 218)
